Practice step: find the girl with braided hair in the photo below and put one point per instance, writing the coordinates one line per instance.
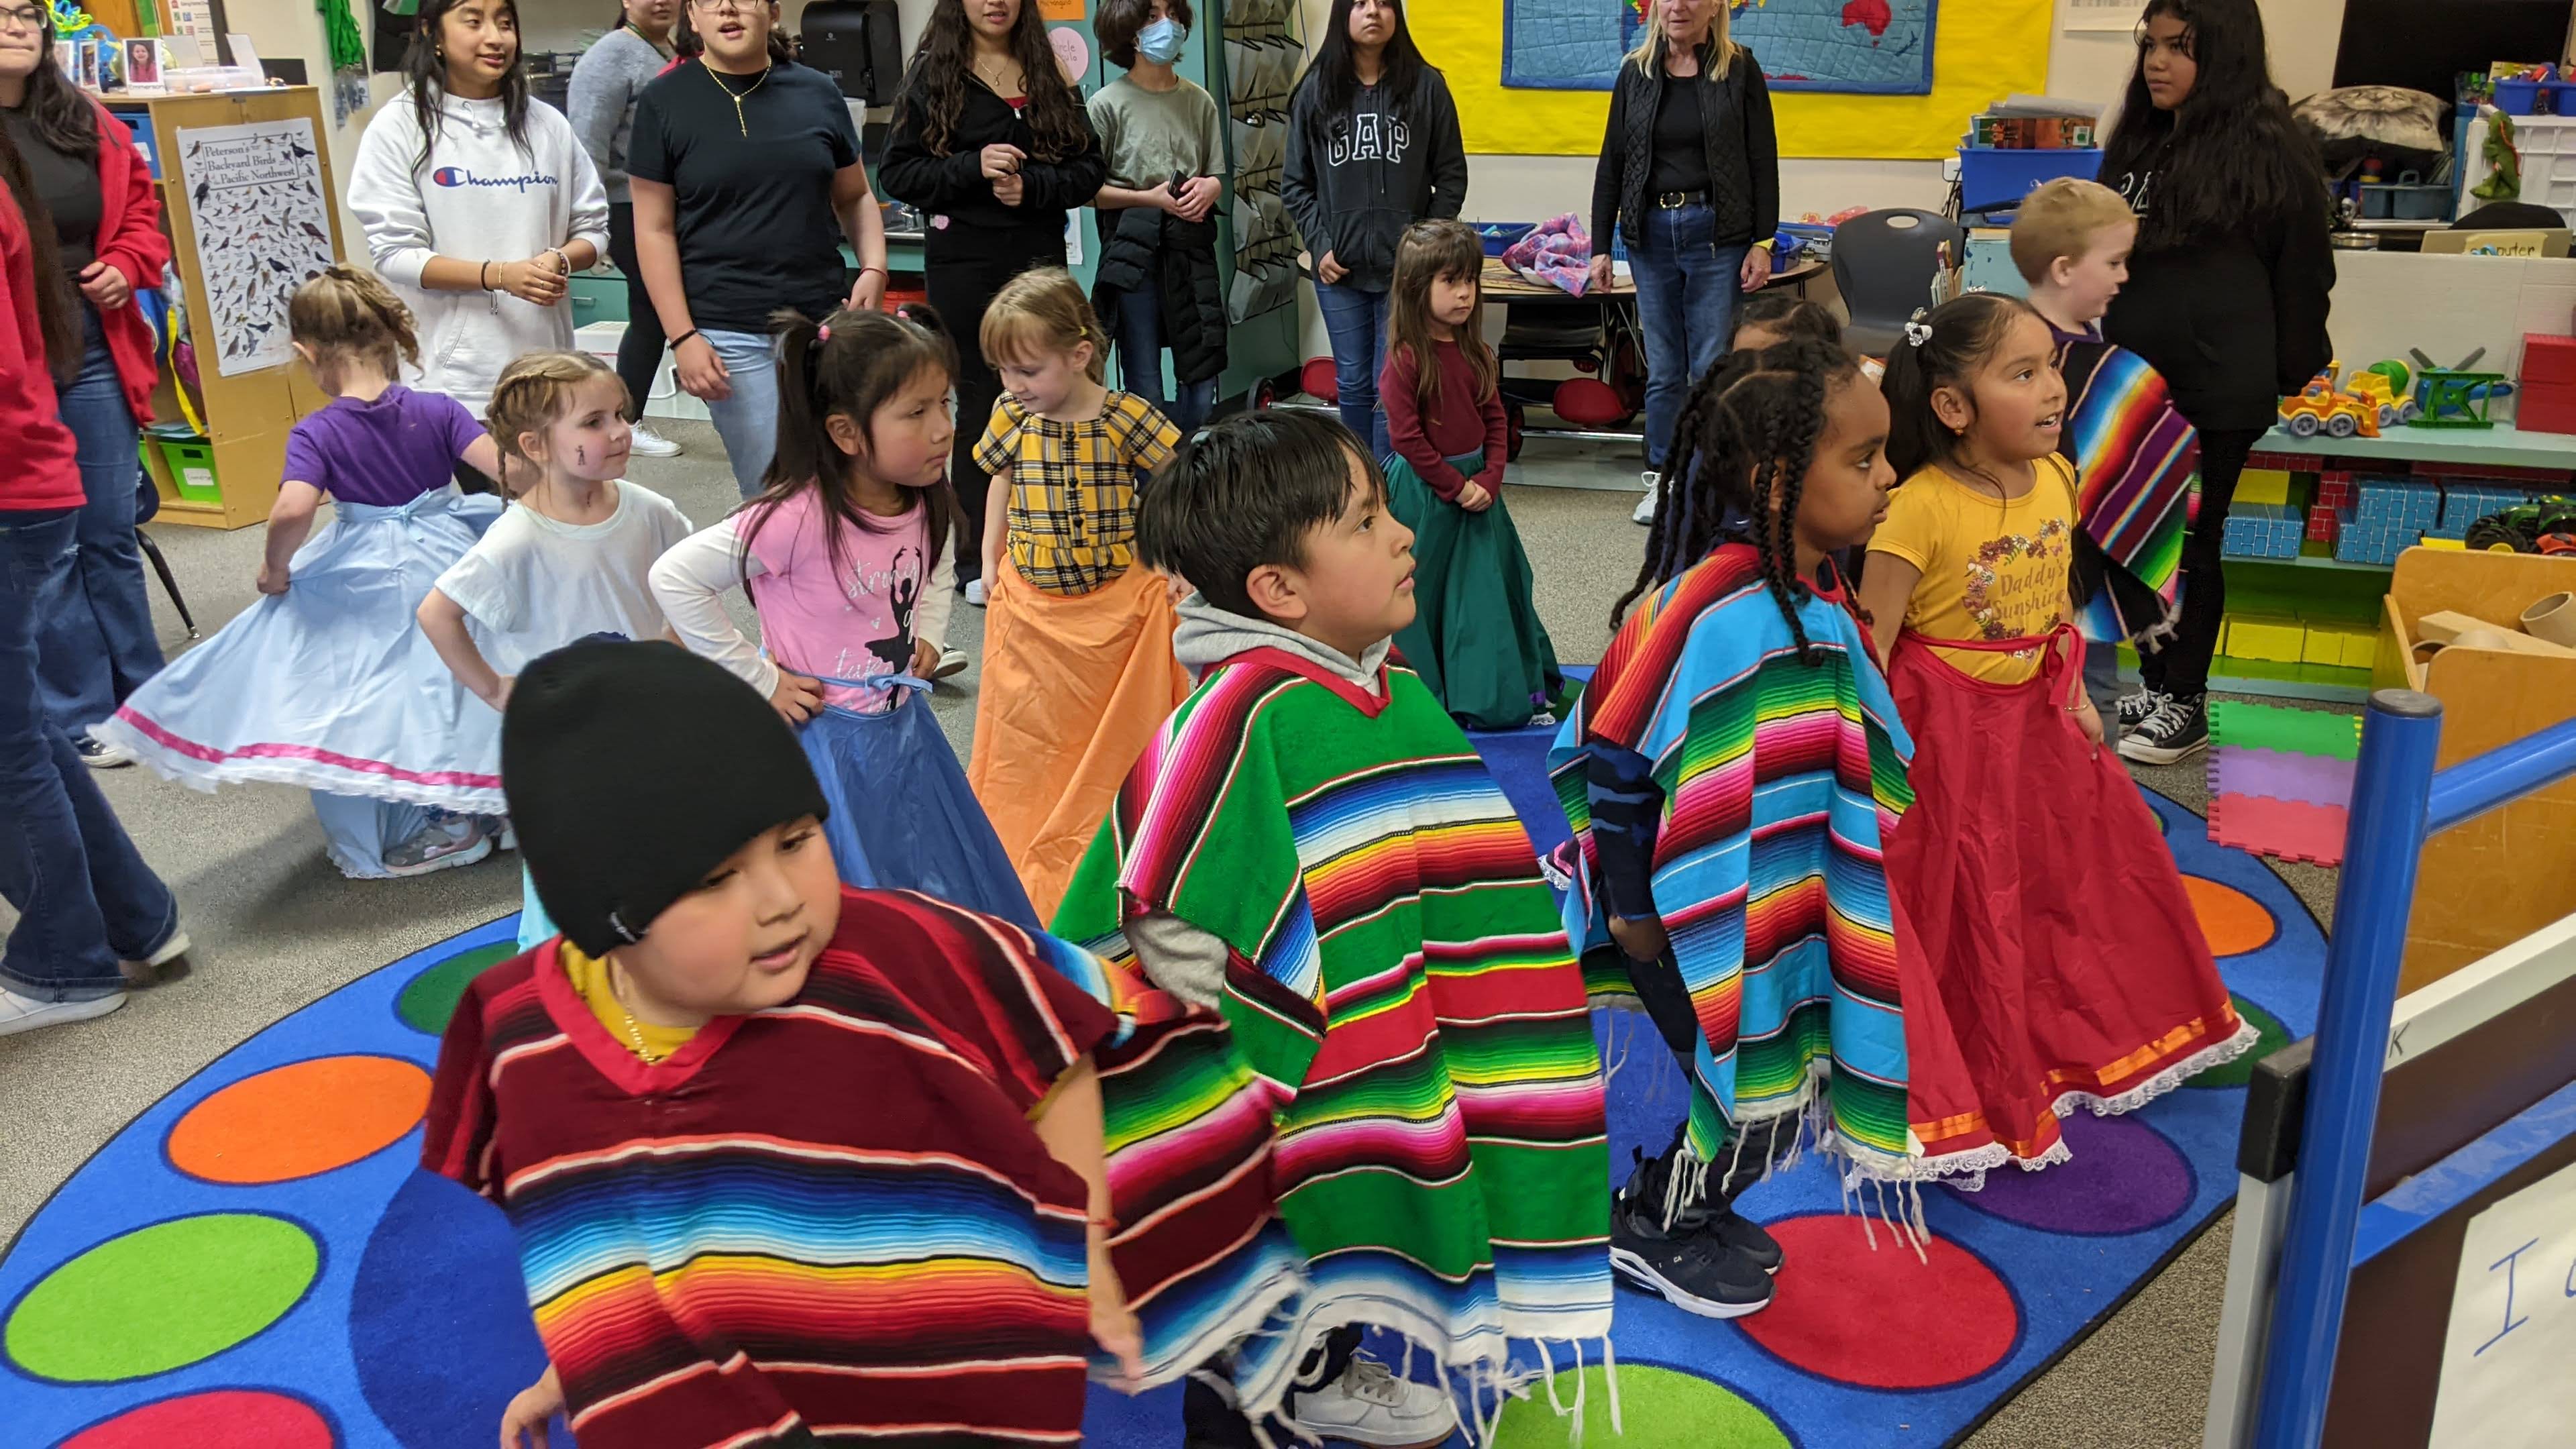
(2047, 919)
(1729, 773)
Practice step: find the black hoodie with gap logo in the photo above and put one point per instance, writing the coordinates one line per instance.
(1354, 181)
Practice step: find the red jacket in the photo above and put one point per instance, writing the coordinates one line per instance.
(130, 240)
(44, 471)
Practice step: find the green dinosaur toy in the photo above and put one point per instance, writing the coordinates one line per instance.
(2505, 182)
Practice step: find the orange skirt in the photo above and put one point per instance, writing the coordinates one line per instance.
(1073, 690)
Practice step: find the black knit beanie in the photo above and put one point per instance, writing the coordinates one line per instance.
(634, 769)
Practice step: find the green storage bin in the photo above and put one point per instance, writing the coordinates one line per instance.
(192, 469)
(598, 299)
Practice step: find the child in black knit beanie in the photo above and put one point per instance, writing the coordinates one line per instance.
(783, 1158)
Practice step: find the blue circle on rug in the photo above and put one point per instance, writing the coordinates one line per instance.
(441, 1268)
(2124, 1177)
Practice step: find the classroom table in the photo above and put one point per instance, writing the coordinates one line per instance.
(1545, 323)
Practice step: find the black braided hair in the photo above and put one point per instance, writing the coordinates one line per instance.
(1745, 437)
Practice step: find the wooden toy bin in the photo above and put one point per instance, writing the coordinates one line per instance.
(2506, 874)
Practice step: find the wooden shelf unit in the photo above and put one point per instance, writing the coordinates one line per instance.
(247, 416)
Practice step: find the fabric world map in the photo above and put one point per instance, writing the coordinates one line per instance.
(1854, 46)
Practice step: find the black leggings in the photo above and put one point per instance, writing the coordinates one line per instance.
(2181, 667)
(960, 288)
(639, 354)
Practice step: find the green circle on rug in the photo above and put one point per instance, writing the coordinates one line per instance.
(1662, 1409)
(162, 1297)
(2240, 1071)
(431, 997)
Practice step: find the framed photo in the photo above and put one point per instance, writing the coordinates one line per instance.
(142, 63)
(85, 75)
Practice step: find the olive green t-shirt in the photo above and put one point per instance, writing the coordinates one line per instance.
(1149, 136)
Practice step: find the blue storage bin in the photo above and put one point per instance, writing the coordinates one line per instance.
(1498, 236)
(140, 124)
(1990, 179)
(2517, 97)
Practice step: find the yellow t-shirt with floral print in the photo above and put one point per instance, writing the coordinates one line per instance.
(1991, 569)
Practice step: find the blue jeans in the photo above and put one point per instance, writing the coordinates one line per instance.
(85, 898)
(97, 644)
(1140, 359)
(748, 420)
(1686, 291)
(1357, 322)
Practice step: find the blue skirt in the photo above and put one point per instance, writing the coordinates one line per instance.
(332, 686)
(902, 817)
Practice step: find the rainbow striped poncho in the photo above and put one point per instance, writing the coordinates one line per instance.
(1400, 989)
(1779, 779)
(2134, 454)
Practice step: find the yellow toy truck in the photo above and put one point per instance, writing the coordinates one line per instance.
(2320, 408)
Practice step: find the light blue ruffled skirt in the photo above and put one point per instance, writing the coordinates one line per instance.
(333, 687)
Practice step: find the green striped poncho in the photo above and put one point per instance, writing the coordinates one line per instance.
(1399, 984)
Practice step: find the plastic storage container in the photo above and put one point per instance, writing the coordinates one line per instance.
(192, 469)
(2548, 147)
(2517, 97)
(1990, 179)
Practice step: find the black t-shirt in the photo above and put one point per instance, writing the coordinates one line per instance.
(755, 218)
(1681, 140)
(68, 183)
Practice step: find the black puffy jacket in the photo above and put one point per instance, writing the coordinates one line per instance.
(1153, 258)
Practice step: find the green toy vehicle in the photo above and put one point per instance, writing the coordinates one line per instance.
(2534, 527)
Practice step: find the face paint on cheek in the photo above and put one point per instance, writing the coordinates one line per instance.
(581, 456)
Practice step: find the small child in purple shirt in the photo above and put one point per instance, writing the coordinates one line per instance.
(326, 682)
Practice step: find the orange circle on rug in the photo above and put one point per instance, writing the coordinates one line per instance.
(300, 1119)
(2234, 922)
(1879, 1317)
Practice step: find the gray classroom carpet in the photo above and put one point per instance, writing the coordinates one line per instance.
(276, 926)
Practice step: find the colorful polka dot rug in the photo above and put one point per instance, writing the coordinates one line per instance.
(259, 1262)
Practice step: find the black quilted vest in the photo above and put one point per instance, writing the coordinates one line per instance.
(1721, 109)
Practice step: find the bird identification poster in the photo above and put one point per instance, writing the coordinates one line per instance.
(263, 225)
(2504, 1381)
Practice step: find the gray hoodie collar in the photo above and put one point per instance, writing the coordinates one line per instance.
(1208, 636)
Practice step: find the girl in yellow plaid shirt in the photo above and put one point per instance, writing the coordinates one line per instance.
(1078, 666)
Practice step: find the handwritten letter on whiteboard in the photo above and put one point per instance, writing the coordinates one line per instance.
(2506, 1378)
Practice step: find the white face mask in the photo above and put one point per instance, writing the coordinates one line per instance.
(1161, 41)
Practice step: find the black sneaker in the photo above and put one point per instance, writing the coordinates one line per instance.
(1741, 1237)
(1692, 1263)
(1684, 1265)
(2138, 704)
(2178, 727)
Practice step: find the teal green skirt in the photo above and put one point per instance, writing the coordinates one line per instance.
(1475, 637)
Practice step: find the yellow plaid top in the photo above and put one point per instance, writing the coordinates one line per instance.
(1073, 487)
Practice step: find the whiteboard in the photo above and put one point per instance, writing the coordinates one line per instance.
(2506, 1380)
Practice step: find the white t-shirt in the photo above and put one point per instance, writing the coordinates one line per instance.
(533, 584)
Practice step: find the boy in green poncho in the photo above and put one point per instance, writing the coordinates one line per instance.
(1312, 849)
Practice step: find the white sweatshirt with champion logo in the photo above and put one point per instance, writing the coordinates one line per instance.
(478, 197)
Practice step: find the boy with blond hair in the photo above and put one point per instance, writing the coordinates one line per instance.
(2133, 451)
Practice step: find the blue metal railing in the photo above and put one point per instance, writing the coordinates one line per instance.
(2397, 800)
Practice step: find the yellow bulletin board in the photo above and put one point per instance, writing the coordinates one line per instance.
(1982, 51)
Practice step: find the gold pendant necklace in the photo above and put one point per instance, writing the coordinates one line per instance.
(634, 1031)
(739, 123)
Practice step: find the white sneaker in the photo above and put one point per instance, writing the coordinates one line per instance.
(98, 754)
(1368, 1404)
(975, 592)
(641, 439)
(26, 1013)
(1646, 506)
(951, 661)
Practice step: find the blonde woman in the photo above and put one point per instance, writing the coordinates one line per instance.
(1690, 176)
